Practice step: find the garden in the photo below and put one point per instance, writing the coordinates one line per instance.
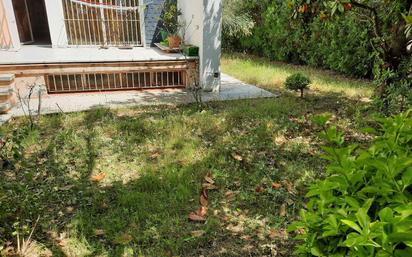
(323, 169)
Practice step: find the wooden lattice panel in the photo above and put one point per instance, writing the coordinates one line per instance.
(59, 83)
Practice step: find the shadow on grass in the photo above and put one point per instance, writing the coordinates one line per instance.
(148, 214)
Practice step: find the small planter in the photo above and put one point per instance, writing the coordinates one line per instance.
(190, 50)
(174, 41)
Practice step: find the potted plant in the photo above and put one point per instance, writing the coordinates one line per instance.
(171, 24)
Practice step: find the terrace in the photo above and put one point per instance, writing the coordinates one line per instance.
(95, 69)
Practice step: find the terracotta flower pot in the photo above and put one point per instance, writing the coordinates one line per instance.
(174, 41)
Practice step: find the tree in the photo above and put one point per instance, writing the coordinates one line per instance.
(388, 37)
(236, 21)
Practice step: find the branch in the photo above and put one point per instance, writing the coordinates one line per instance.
(376, 22)
(374, 13)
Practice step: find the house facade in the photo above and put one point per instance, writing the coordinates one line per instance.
(90, 45)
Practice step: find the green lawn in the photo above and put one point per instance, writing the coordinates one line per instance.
(271, 76)
(122, 182)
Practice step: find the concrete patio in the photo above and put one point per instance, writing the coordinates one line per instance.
(231, 89)
(35, 54)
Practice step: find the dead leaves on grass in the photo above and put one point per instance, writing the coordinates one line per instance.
(237, 157)
(97, 178)
(289, 186)
(200, 214)
(282, 210)
(241, 224)
(99, 232)
(260, 189)
(276, 186)
(193, 216)
(229, 195)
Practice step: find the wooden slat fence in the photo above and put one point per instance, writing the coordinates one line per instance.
(60, 83)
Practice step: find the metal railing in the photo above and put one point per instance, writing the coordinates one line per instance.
(86, 25)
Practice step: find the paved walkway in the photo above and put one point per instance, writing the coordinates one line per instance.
(231, 89)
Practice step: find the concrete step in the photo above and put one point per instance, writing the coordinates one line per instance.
(5, 107)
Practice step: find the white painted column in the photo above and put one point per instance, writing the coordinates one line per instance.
(12, 24)
(211, 45)
(203, 26)
(57, 27)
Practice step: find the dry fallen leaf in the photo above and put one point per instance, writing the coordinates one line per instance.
(197, 233)
(99, 232)
(209, 186)
(282, 210)
(69, 209)
(273, 233)
(229, 195)
(237, 157)
(204, 198)
(196, 218)
(154, 155)
(208, 178)
(203, 201)
(246, 237)
(235, 229)
(99, 177)
(289, 186)
(62, 243)
(68, 187)
(276, 186)
(202, 211)
(260, 189)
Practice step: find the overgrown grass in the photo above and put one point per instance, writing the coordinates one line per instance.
(150, 162)
(271, 76)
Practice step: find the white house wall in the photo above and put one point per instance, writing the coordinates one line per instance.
(192, 21)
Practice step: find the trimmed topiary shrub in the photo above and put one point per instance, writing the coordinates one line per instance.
(297, 82)
(364, 206)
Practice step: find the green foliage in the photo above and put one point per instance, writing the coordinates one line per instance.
(236, 22)
(364, 206)
(358, 38)
(297, 82)
(338, 44)
(11, 147)
(170, 17)
(394, 88)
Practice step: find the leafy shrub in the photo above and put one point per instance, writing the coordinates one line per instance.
(11, 148)
(297, 82)
(339, 44)
(364, 206)
(236, 22)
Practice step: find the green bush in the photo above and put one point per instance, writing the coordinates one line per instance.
(364, 206)
(297, 82)
(339, 44)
